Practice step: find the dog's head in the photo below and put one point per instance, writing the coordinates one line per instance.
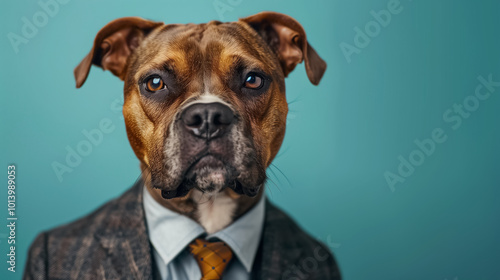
(205, 104)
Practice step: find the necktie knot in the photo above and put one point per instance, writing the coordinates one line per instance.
(212, 257)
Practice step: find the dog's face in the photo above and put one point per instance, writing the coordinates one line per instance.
(205, 105)
(197, 108)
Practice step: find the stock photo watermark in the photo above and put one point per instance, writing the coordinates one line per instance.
(12, 218)
(31, 25)
(309, 264)
(223, 6)
(91, 139)
(364, 35)
(454, 117)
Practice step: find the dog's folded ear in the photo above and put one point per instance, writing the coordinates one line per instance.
(112, 46)
(288, 40)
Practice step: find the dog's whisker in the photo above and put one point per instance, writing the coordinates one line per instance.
(283, 174)
(274, 184)
(207, 199)
(274, 175)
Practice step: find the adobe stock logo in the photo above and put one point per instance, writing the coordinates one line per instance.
(224, 6)
(75, 154)
(30, 27)
(363, 37)
(453, 116)
(308, 265)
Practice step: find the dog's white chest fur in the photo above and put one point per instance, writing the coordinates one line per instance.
(215, 211)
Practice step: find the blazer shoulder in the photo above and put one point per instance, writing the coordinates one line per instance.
(288, 229)
(56, 240)
(87, 224)
(57, 249)
(125, 204)
(36, 267)
(76, 229)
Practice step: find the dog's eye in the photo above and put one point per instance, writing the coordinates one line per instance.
(254, 81)
(154, 83)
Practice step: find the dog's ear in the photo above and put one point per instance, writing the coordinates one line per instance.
(288, 40)
(112, 46)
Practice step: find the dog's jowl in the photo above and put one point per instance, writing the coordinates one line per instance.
(205, 112)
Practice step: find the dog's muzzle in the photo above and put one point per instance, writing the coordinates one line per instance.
(206, 148)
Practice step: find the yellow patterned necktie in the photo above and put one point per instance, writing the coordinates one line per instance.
(212, 257)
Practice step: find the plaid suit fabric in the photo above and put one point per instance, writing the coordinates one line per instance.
(112, 243)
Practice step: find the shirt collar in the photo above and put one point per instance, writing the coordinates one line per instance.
(171, 232)
(243, 235)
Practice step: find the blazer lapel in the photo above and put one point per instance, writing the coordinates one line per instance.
(276, 254)
(124, 237)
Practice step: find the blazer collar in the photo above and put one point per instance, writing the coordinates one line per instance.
(123, 235)
(278, 250)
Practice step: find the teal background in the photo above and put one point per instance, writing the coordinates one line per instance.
(442, 222)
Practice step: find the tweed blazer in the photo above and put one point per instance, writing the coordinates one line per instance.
(112, 243)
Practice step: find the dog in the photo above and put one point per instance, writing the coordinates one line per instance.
(205, 112)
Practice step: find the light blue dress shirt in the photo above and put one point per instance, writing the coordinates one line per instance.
(170, 233)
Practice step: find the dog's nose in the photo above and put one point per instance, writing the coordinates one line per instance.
(207, 120)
